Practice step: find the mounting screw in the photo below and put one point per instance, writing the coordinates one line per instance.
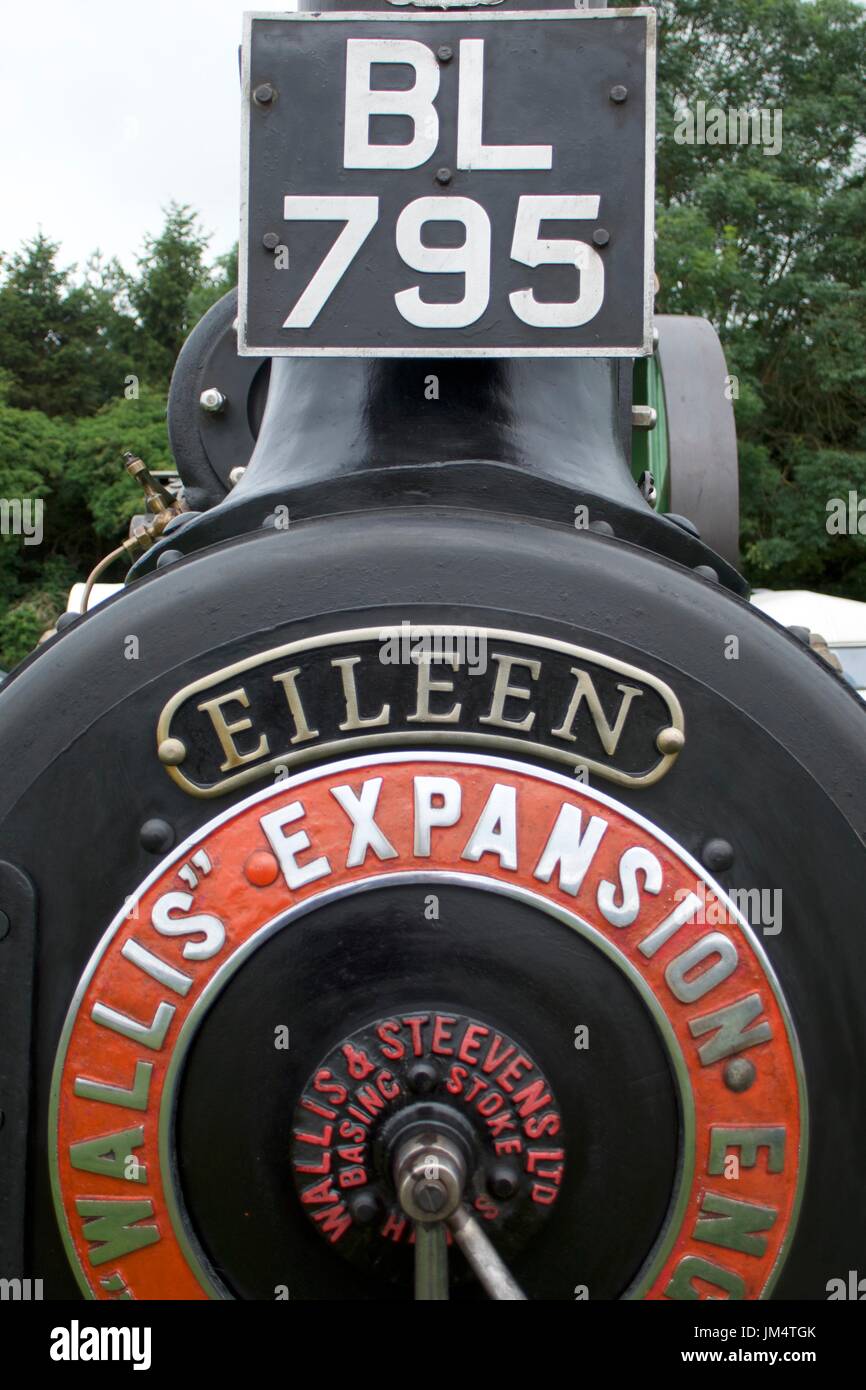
(422, 1078)
(5, 925)
(156, 836)
(212, 400)
(264, 94)
(270, 241)
(619, 93)
(717, 855)
(444, 53)
(443, 176)
(502, 1181)
(707, 572)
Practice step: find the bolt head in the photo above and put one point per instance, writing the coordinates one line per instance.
(601, 236)
(619, 93)
(444, 53)
(270, 241)
(264, 94)
(443, 176)
(212, 400)
(156, 836)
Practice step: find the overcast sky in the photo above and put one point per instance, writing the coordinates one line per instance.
(109, 109)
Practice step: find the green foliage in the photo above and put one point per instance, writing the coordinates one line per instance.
(62, 343)
(771, 249)
(86, 362)
(170, 272)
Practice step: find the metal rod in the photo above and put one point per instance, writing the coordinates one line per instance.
(488, 1268)
(431, 1262)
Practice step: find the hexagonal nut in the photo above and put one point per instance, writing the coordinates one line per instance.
(212, 400)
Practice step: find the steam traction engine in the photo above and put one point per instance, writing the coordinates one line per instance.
(429, 876)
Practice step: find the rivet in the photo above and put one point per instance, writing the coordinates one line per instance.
(171, 751)
(739, 1074)
(270, 241)
(717, 855)
(264, 94)
(601, 528)
(601, 236)
(444, 53)
(502, 1182)
(422, 1078)
(707, 572)
(261, 868)
(443, 176)
(670, 741)
(169, 557)
(683, 523)
(619, 93)
(364, 1207)
(156, 836)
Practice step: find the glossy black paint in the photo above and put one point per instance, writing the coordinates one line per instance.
(773, 764)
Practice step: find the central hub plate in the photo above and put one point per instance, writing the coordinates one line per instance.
(476, 1081)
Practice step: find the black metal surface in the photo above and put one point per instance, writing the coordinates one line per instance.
(207, 446)
(330, 975)
(773, 764)
(17, 959)
(546, 82)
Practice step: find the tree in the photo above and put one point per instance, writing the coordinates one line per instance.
(170, 272)
(60, 341)
(770, 247)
